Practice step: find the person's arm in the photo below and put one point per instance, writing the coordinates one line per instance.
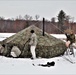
(31, 41)
(66, 34)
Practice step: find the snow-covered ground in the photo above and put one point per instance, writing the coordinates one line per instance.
(24, 65)
(5, 35)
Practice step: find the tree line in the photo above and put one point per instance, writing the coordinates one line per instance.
(61, 18)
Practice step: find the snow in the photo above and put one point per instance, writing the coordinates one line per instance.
(5, 35)
(60, 36)
(24, 65)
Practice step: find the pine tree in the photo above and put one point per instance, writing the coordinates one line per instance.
(61, 18)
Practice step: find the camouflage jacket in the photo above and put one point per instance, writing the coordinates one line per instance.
(70, 37)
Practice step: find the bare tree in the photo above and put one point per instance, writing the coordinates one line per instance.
(53, 20)
(67, 18)
(30, 18)
(26, 17)
(37, 17)
(20, 17)
(12, 19)
(1, 18)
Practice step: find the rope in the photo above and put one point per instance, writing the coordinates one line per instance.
(35, 23)
(57, 28)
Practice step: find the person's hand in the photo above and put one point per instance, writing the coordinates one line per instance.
(29, 39)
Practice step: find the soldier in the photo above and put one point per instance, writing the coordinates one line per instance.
(33, 43)
(70, 41)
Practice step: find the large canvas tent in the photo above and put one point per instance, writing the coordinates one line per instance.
(47, 47)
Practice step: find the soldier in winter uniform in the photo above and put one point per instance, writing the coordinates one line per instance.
(70, 41)
(33, 43)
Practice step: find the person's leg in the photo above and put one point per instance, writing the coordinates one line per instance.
(33, 51)
(67, 43)
(68, 49)
(71, 49)
(74, 45)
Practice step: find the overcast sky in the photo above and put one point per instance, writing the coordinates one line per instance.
(44, 8)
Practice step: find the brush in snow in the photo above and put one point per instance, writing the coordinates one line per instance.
(49, 64)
